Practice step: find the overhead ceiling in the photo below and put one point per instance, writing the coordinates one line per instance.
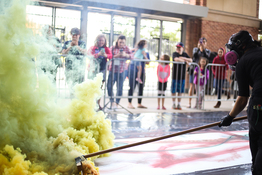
(157, 8)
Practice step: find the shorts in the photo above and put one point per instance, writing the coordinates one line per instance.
(177, 86)
(191, 78)
(162, 86)
(138, 63)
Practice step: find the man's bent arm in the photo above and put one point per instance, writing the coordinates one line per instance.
(240, 104)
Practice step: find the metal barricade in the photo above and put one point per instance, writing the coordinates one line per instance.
(221, 84)
(75, 69)
(126, 82)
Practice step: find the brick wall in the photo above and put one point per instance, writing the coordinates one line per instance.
(193, 33)
(218, 33)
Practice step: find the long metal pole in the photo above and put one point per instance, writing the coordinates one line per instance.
(159, 138)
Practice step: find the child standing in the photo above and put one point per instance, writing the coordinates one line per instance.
(163, 72)
(140, 54)
(203, 77)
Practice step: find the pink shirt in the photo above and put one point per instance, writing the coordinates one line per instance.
(163, 72)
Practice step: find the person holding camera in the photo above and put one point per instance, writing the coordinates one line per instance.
(49, 59)
(100, 53)
(198, 52)
(244, 57)
(74, 62)
(117, 68)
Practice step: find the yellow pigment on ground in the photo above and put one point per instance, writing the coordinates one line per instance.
(37, 136)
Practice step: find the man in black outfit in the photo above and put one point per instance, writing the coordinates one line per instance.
(246, 57)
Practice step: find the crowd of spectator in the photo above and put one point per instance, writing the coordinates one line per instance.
(118, 69)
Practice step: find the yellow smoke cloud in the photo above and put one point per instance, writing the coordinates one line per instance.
(38, 136)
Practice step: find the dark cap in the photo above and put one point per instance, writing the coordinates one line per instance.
(179, 44)
(75, 31)
(203, 39)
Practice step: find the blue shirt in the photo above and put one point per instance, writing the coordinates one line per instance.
(142, 63)
(139, 53)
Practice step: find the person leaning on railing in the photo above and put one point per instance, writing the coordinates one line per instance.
(179, 74)
(101, 53)
(117, 66)
(48, 65)
(74, 63)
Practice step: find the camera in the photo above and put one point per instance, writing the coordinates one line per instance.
(201, 41)
(121, 50)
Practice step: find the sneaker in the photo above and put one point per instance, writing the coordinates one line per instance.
(213, 91)
(178, 107)
(174, 106)
(163, 107)
(158, 108)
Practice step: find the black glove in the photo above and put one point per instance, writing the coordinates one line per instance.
(226, 121)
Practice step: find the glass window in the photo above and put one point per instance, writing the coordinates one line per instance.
(37, 16)
(171, 34)
(150, 30)
(98, 23)
(126, 26)
(65, 21)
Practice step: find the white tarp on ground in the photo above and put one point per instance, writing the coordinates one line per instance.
(182, 154)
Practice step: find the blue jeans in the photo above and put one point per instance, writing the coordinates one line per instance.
(218, 84)
(119, 79)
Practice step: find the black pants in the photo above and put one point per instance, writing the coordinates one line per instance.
(255, 133)
(132, 75)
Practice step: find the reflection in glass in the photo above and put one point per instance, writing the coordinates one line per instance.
(38, 16)
(98, 23)
(125, 26)
(171, 35)
(66, 20)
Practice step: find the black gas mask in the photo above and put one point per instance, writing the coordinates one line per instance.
(234, 48)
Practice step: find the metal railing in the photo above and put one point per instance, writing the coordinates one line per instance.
(89, 67)
(149, 78)
(222, 83)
